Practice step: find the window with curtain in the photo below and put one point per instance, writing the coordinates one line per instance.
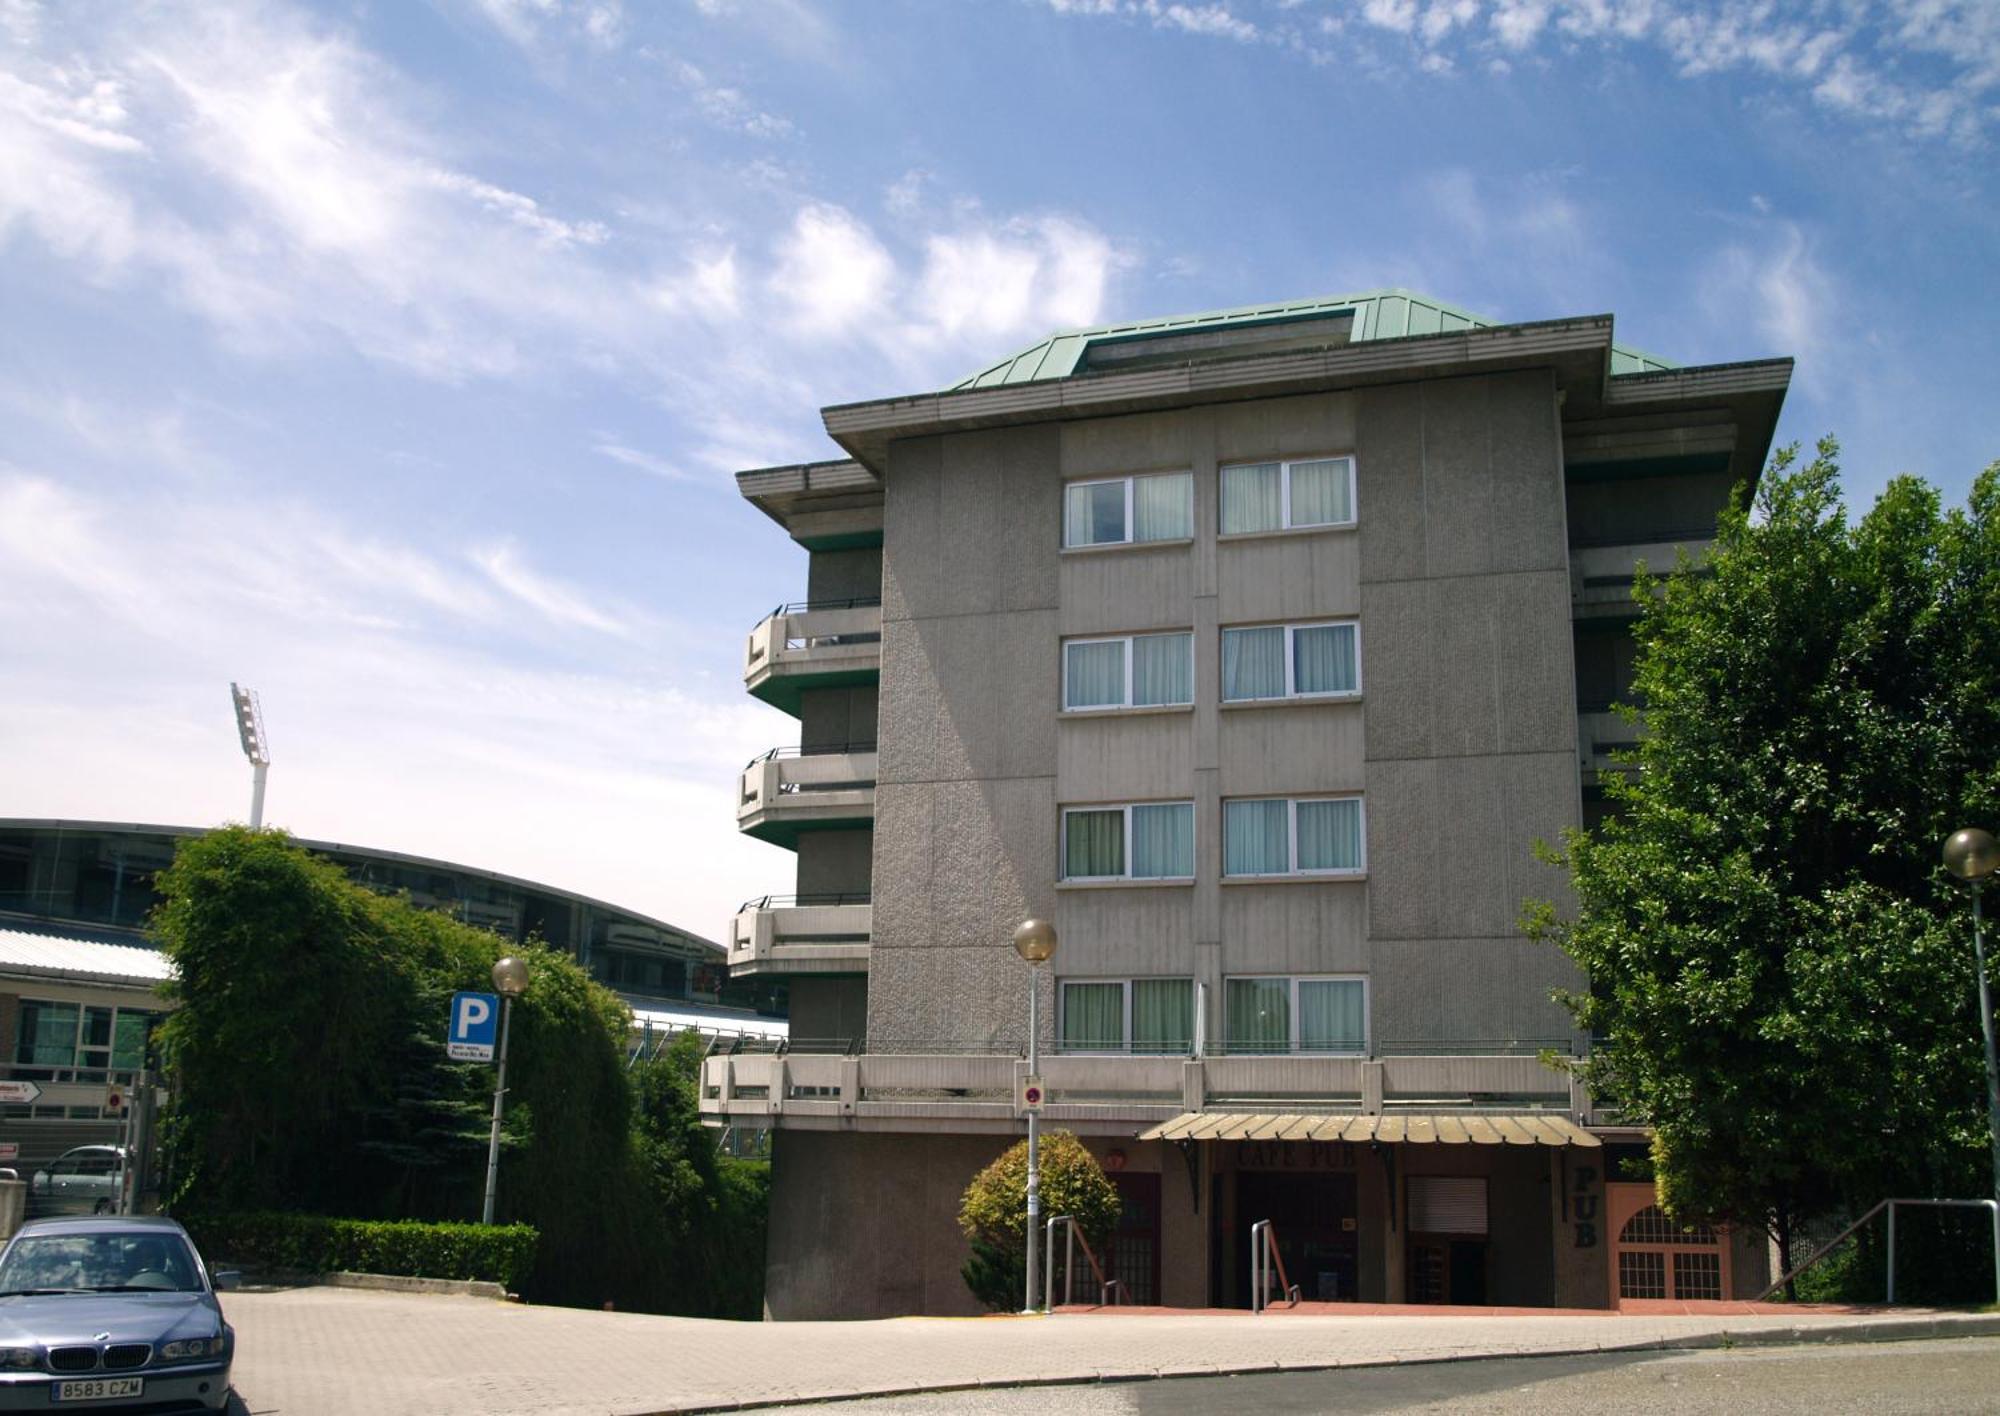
(1295, 1014)
(1253, 663)
(1256, 838)
(1162, 1015)
(1155, 507)
(1253, 498)
(1162, 670)
(1143, 671)
(1329, 834)
(1146, 841)
(1093, 844)
(1094, 513)
(1291, 661)
(1332, 1015)
(1257, 1014)
(1094, 674)
(1283, 836)
(1163, 507)
(1163, 841)
(1280, 496)
(1093, 1017)
(1153, 1016)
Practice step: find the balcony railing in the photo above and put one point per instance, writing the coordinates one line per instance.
(826, 933)
(814, 644)
(895, 1088)
(1601, 575)
(789, 790)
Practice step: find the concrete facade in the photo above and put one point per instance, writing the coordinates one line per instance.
(1504, 485)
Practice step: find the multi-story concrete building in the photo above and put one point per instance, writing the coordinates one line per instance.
(1256, 650)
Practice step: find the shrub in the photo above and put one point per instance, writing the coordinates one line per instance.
(994, 1213)
(310, 1243)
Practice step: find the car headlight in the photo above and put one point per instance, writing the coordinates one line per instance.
(184, 1349)
(15, 1358)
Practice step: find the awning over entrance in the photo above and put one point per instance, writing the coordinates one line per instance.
(1474, 1130)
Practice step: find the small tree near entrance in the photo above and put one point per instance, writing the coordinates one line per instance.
(994, 1213)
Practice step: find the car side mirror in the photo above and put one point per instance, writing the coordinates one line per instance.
(226, 1279)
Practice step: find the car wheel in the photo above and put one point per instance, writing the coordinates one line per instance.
(101, 1207)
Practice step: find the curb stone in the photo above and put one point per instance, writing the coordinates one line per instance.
(1887, 1330)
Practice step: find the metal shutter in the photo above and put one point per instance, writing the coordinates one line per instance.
(1447, 1204)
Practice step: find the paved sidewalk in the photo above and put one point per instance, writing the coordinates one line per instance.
(333, 1352)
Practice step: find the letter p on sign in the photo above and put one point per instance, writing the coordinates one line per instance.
(475, 1019)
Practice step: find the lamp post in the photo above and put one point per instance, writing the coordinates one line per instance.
(1034, 941)
(1972, 855)
(510, 978)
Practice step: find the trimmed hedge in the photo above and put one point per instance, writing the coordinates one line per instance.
(310, 1243)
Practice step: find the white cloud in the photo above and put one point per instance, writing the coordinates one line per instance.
(729, 107)
(644, 461)
(261, 171)
(832, 275)
(531, 23)
(1930, 67)
(1776, 281)
(554, 600)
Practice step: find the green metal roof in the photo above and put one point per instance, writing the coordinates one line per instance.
(1377, 314)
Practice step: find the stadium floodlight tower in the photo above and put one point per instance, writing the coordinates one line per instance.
(256, 747)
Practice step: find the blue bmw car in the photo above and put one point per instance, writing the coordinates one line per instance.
(111, 1313)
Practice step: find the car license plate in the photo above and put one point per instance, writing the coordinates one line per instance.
(100, 1389)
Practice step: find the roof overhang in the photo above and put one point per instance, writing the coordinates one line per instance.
(1456, 1129)
(1577, 351)
(821, 505)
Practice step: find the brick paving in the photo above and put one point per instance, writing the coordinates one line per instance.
(336, 1352)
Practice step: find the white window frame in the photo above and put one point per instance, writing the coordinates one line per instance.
(1291, 662)
(1128, 479)
(1125, 1015)
(1293, 1047)
(1285, 466)
(1125, 809)
(1292, 870)
(1126, 640)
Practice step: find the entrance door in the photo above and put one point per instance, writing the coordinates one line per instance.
(1448, 1226)
(1314, 1216)
(1135, 1245)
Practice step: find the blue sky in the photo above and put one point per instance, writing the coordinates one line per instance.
(393, 358)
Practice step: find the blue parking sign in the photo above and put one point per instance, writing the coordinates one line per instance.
(475, 1020)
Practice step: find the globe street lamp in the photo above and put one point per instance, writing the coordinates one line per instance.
(510, 978)
(1034, 941)
(1972, 855)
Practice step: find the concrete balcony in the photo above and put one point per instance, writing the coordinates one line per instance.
(1599, 734)
(789, 790)
(824, 644)
(795, 934)
(1601, 576)
(1105, 1095)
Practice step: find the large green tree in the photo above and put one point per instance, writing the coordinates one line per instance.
(1781, 974)
(307, 1061)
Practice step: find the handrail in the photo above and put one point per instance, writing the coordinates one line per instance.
(1264, 1253)
(844, 749)
(801, 607)
(1073, 1236)
(1991, 1206)
(786, 902)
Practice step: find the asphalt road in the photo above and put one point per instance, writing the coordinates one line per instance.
(1881, 1379)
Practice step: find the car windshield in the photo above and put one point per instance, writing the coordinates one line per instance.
(107, 1262)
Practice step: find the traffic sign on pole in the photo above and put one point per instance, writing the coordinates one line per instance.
(19, 1093)
(475, 1020)
(1031, 1096)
